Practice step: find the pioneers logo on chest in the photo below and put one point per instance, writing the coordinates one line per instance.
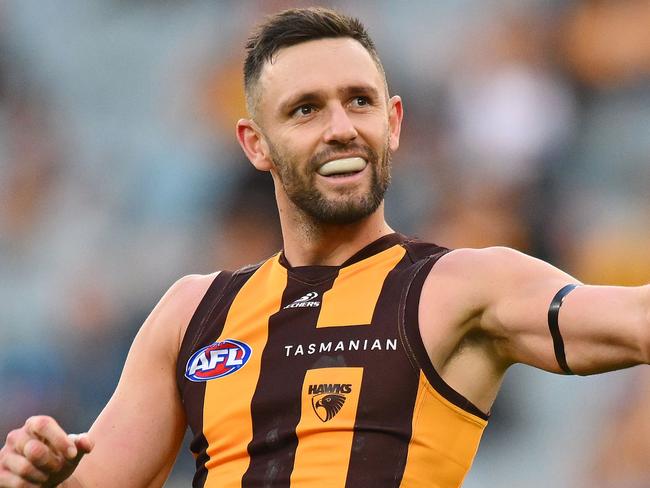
(306, 301)
(217, 360)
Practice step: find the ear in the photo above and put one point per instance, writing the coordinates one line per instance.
(395, 116)
(252, 141)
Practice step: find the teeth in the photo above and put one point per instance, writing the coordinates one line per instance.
(341, 166)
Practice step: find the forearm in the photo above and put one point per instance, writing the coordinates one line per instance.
(606, 328)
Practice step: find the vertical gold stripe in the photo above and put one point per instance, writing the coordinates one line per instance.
(324, 447)
(443, 442)
(227, 423)
(352, 298)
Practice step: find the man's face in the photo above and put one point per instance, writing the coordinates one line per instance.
(325, 117)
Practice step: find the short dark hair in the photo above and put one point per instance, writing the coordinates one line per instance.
(295, 26)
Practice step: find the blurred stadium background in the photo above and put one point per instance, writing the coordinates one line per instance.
(527, 124)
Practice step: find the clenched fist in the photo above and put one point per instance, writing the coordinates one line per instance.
(40, 454)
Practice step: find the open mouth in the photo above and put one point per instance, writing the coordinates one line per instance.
(342, 167)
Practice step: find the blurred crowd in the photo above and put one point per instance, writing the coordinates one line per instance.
(527, 125)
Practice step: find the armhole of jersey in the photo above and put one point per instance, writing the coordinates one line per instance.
(411, 333)
(200, 319)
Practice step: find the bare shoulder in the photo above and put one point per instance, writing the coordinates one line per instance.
(484, 259)
(468, 273)
(455, 294)
(175, 309)
(492, 267)
(188, 291)
(466, 282)
(487, 288)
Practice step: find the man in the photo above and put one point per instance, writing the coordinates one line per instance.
(356, 357)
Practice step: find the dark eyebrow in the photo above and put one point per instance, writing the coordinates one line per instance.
(299, 99)
(356, 90)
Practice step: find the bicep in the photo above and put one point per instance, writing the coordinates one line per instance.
(600, 326)
(138, 434)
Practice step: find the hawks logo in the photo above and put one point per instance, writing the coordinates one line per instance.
(328, 399)
(217, 360)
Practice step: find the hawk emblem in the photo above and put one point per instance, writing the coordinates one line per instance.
(327, 406)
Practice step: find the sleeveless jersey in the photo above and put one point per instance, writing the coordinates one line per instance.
(316, 376)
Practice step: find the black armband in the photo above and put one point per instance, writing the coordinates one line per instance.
(554, 327)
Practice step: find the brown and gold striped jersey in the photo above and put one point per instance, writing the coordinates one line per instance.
(316, 376)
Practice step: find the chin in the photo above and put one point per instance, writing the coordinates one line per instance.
(341, 213)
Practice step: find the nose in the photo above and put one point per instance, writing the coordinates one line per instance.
(340, 129)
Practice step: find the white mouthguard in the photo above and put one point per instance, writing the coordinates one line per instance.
(342, 166)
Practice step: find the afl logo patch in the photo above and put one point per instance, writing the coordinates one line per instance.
(217, 360)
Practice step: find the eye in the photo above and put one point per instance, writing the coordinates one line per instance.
(303, 111)
(360, 101)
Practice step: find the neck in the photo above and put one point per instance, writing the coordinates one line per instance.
(310, 243)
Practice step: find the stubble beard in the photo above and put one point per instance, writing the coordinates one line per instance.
(299, 185)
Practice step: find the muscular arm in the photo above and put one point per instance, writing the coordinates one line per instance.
(603, 327)
(485, 309)
(138, 434)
